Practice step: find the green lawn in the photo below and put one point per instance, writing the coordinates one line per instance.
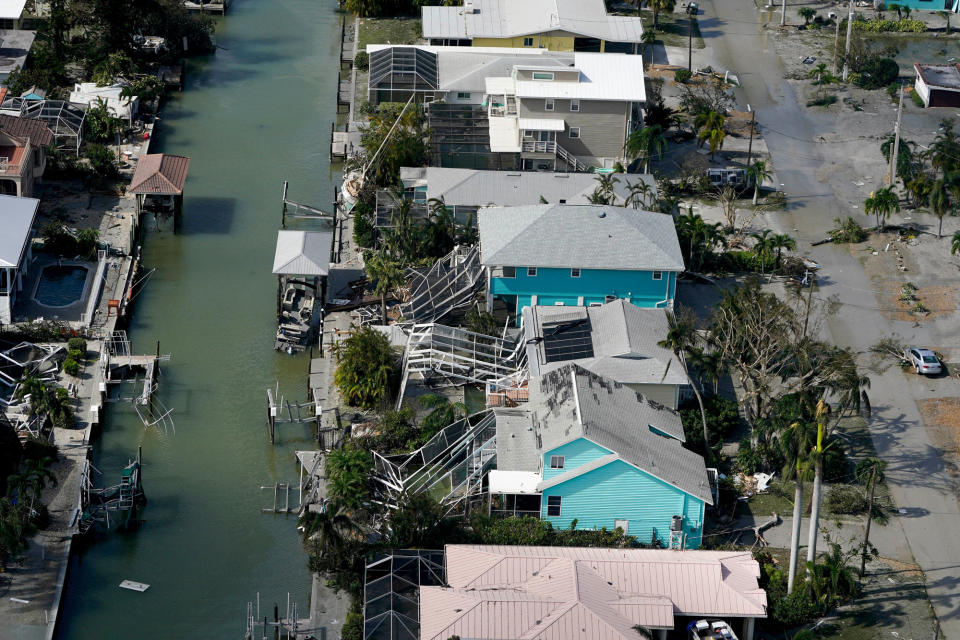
(389, 31)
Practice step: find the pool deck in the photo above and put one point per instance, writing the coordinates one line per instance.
(27, 307)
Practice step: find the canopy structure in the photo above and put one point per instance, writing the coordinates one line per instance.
(302, 253)
(63, 118)
(159, 174)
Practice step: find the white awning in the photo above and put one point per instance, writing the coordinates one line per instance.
(542, 124)
(513, 481)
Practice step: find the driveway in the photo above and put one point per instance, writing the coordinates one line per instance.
(918, 473)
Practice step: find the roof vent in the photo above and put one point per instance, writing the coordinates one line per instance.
(601, 214)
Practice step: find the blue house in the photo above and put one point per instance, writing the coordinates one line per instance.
(578, 255)
(589, 450)
(929, 5)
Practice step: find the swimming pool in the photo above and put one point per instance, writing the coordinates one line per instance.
(61, 286)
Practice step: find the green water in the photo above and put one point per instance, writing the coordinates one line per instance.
(253, 115)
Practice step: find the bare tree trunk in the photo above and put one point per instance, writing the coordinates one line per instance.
(703, 413)
(756, 192)
(815, 512)
(795, 533)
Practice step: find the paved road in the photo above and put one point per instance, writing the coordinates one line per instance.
(918, 473)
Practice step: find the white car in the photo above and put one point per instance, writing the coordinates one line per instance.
(923, 361)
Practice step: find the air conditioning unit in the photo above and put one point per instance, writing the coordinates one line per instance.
(469, 7)
(676, 524)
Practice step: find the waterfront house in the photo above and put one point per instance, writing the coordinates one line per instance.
(11, 14)
(558, 25)
(26, 163)
(516, 109)
(578, 255)
(466, 191)
(938, 84)
(158, 184)
(17, 216)
(90, 94)
(587, 449)
(506, 592)
(617, 340)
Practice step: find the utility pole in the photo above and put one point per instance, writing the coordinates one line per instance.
(753, 119)
(896, 142)
(783, 13)
(866, 533)
(836, 48)
(846, 57)
(689, 42)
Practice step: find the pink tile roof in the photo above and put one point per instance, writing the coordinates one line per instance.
(566, 593)
(160, 174)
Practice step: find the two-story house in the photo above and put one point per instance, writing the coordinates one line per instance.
(558, 25)
(514, 108)
(586, 448)
(578, 255)
(23, 153)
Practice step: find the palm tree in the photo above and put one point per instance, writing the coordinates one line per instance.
(329, 528)
(648, 39)
(710, 129)
(848, 386)
(679, 339)
(955, 243)
(781, 241)
(762, 248)
(794, 444)
(807, 13)
(881, 203)
(606, 183)
(39, 475)
(919, 189)
(646, 143)
(37, 390)
(637, 194)
(60, 408)
(758, 172)
(946, 16)
(658, 6)
(940, 202)
(387, 275)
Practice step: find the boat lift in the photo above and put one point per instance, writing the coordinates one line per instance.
(124, 500)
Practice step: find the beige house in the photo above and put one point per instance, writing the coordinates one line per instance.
(23, 154)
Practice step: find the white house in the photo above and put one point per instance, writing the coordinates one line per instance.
(120, 106)
(16, 221)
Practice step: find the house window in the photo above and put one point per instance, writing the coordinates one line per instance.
(531, 272)
(553, 506)
(528, 42)
(574, 132)
(543, 75)
(559, 304)
(607, 299)
(574, 105)
(574, 273)
(461, 95)
(658, 275)
(509, 272)
(556, 462)
(548, 104)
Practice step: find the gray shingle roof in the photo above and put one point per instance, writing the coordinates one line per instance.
(573, 403)
(624, 339)
(16, 219)
(582, 236)
(470, 187)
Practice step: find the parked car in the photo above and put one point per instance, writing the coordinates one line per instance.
(923, 361)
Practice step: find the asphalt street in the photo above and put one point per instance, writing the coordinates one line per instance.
(918, 473)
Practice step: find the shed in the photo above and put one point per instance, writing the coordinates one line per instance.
(938, 84)
(302, 253)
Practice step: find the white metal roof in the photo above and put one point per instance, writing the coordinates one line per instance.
(513, 481)
(511, 18)
(602, 77)
(542, 124)
(303, 253)
(11, 9)
(16, 219)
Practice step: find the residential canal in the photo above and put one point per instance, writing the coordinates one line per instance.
(253, 115)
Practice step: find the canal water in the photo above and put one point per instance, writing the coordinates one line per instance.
(256, 113)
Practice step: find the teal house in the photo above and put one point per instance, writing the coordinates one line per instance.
(929, 5)
(578, 255)
(588, 450)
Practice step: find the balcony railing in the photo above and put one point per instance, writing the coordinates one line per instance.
(532, 146)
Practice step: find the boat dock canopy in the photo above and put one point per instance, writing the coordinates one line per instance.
(303, 253)
(160, 174)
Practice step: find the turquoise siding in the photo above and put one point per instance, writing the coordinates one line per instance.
(619, 491)
(930, 5)
(576, 453)
(557, 285)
